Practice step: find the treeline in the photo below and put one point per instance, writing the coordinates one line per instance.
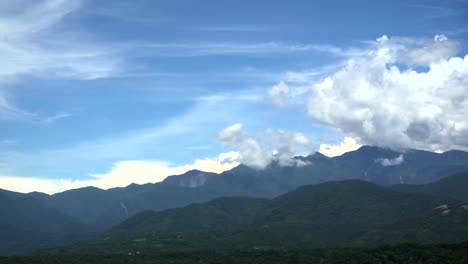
(404, 253)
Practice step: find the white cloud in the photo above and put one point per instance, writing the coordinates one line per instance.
(271, 145)
(279, 94)
(28, 184)
(251, 153)
(384, 99)
(191, 49)
(348, 144)
(231, 135)
(427, 52)
(391, 162)
(122, 174)
(285, 144)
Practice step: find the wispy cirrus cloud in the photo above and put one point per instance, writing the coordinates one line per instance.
(24, 172)
(435, 11)
(33, 41)
(10, 112)
(95, 154)
(57, 116)
(233, 28)
(194, 48)
(7, 142)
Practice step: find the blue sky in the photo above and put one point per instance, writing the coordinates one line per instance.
(86, 86)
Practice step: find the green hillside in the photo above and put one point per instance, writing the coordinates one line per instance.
(220, 215)
(334, 214)
(331, 214)
(445, 223)
(454, 186)
(27, 224)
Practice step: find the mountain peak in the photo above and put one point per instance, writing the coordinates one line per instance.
(37, 194)
(375, 151)
(317, 155)
(372, 148)
(88, 189)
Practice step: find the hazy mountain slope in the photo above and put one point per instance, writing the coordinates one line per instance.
(85, 204)
(453, 186)
(415, 166)
(26, 224)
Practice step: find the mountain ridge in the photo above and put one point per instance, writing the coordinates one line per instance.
(99, 210)
(332, 214)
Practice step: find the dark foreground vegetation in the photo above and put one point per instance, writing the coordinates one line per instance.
(403, 253)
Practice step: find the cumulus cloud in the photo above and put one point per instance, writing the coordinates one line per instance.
(404, 93)
(391, 162)
(122, 174)
(285, 145)
(279, 94)
(231, 135)
(348, 144)
(414, 51)
(251, 153)
(270, 145)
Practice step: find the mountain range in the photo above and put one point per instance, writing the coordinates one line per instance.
(333, 214)
(36, 221)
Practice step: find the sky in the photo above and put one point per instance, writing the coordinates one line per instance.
(108, 93)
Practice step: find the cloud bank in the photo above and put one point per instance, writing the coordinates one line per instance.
(270, 145)
(122, 174)
(348, 144)
(404, 93)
